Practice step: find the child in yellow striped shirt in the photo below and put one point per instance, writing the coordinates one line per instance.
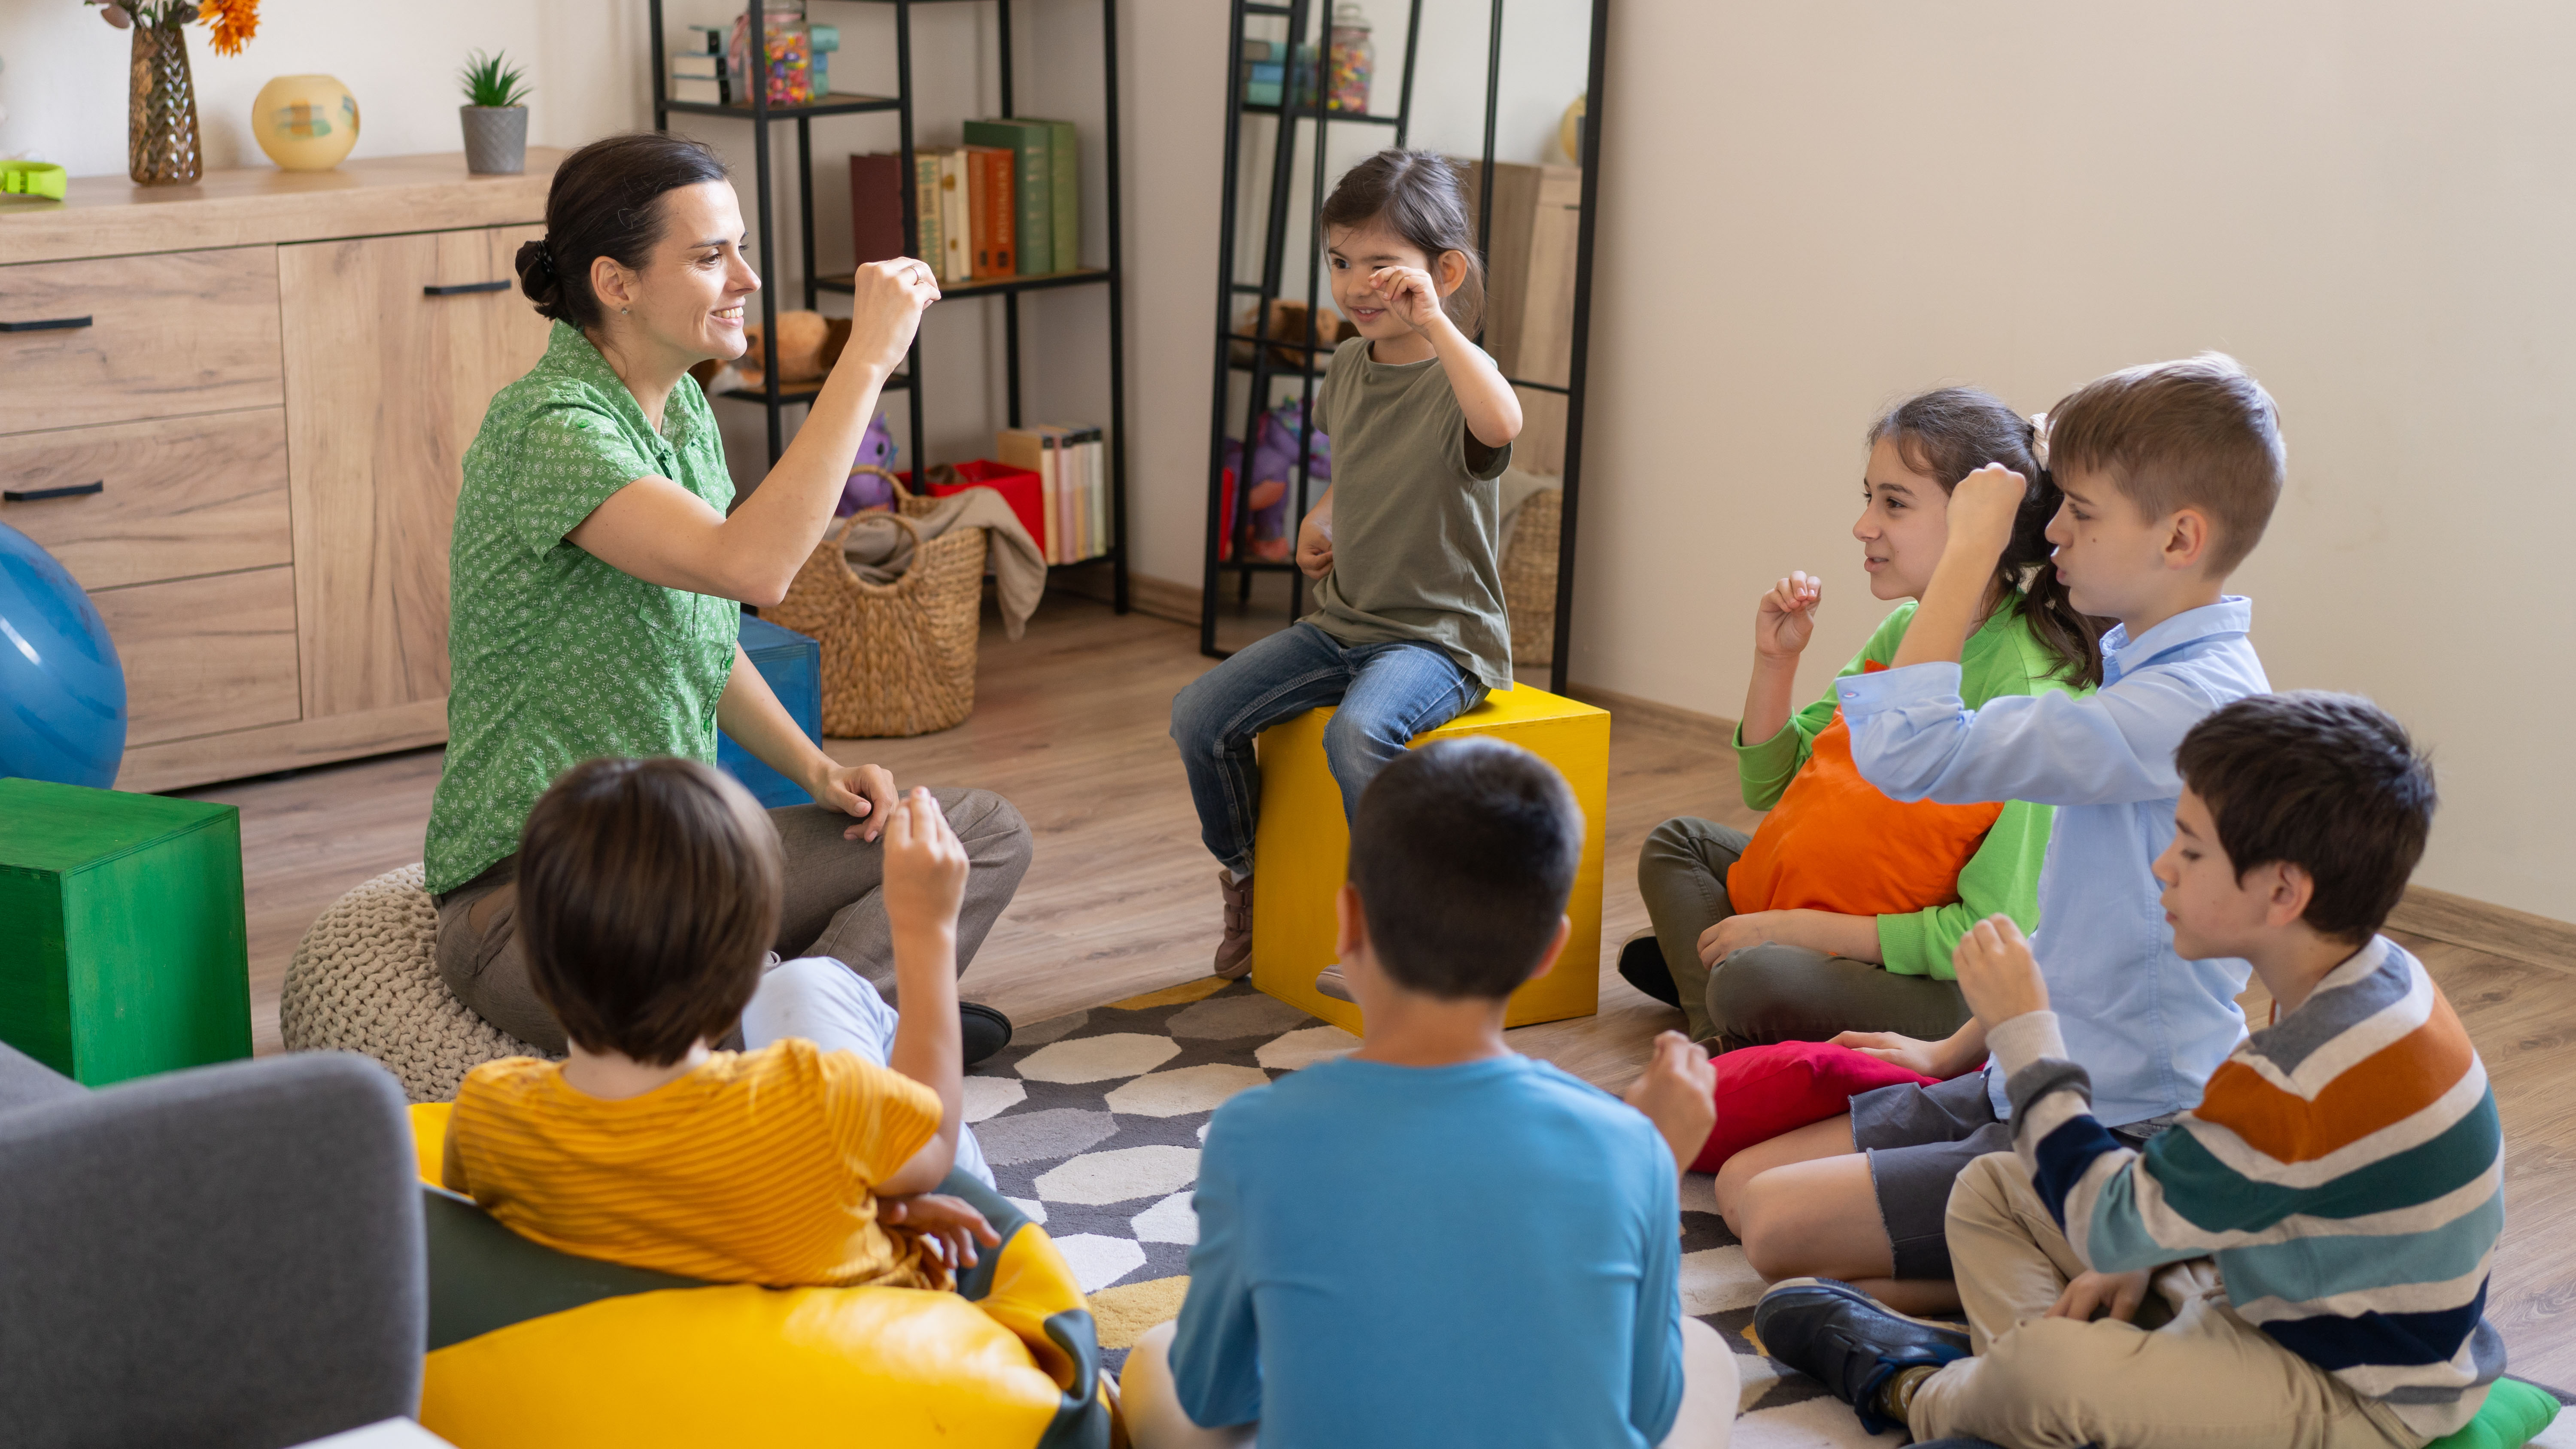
(648, 893)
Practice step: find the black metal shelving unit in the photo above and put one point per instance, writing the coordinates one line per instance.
(1264, 366)
(771, 395)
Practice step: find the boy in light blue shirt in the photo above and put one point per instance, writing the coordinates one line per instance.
(1436, 1240)
(2170, 472)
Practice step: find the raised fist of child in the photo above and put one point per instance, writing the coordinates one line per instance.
(1678, 1093)
(925, 866)
(1997, 973)
(1786, 618)
(1982, 510)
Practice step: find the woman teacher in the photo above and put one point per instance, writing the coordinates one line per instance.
(596, 577)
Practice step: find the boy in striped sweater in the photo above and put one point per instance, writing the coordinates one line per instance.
(2307, 1250)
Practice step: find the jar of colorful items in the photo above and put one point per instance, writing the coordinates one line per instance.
(1349, 57)
(790, 53)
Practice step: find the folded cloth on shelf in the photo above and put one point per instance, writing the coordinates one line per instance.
(879, 550)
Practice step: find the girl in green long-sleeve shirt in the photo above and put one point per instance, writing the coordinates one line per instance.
(1840, 912)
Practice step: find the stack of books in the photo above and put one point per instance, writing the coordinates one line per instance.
(1073, 486)
(698, 72)
(1008, 203)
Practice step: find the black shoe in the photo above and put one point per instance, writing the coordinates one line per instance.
(1641, 964)
(1848, 1341)
(981, 1031)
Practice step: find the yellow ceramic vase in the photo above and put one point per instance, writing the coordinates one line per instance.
(305, 122)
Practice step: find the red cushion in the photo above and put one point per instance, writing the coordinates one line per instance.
(1767, 1090)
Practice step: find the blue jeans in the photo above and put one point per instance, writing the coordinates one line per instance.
(1387, 694)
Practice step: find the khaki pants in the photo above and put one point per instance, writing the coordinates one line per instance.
(1155, 1420)
(2201, 1377)
(834, 907)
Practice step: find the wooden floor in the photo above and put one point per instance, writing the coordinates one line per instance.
(1122, 899)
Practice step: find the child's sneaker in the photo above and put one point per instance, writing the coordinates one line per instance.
(1234, 953)
(1850, 1342)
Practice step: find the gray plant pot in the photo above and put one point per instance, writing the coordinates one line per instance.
(496, 139)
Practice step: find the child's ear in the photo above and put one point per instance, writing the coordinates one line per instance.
(1449, 271)
(2188, 535)
(2290, 890)
(1555, 948)
(1350, 923)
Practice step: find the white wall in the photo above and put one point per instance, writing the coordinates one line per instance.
(1810, 209)
(63, 73)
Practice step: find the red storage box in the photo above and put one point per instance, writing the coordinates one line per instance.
(1019, 488)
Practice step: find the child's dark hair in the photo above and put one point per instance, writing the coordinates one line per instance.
(1950, 432)
(606, 202)
(649, 893)
(1463, 853)
(2199, 433)
(2326, 782)
(1416, 195)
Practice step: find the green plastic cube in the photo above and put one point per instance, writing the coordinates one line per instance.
(123, 947)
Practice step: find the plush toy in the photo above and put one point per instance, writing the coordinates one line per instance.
(1274, 462)
(870, 490)
(1288, 324)
(808, 344)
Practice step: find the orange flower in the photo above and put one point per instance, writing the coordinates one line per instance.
(233, 21)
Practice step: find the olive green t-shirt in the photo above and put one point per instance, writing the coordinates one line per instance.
(554, 656)
(1417, 534)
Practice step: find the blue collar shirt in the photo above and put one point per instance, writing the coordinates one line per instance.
(2149, 1025)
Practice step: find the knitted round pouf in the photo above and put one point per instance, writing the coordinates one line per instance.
(365, 980)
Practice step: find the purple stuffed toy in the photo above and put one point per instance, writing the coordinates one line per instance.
(1274, 463)
(867, 490)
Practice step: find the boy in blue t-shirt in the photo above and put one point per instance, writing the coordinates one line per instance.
(1435, 1240)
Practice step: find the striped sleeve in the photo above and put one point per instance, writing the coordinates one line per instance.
(879, 1116)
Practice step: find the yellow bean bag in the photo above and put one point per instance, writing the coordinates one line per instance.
(531, 1346)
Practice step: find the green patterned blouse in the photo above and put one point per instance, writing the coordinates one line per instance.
(555, 656)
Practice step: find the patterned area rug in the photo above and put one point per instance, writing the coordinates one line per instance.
(1092, 1123)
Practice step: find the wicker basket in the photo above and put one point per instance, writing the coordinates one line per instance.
(1529, 575)
(898, 658)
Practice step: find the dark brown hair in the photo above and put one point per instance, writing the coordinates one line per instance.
(1950, 432)
(2199, 433)
(2326, 782)
(1416, 195)
(649, 893)
(606, 201)
(1464, 852)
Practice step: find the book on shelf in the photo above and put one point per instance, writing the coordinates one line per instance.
(695, 92)
(688, 65)
(925, 209)
(992, 212)
(876, 207)
(956, 255)
(1034, 449)
(1082, 490)
(1033, 187)
(821, 41)
(1064, 205)
(702, 39)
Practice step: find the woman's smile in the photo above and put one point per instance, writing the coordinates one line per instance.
(729, 316)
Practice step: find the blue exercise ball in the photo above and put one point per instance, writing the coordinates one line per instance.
(62, 691)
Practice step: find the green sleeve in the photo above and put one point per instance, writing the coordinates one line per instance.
(2002, 876)
(1766, 769)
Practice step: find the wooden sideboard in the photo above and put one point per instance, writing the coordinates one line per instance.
(259, 390)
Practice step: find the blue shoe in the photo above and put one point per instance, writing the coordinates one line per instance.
(1848, 1341)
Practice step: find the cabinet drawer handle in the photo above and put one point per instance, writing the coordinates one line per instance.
(47, 324)
(32, 495)
(462, 288)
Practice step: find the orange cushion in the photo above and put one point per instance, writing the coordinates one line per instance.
(1834, 843)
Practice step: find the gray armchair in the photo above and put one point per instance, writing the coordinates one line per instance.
(230, 1256)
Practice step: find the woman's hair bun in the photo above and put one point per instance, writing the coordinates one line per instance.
(536, 266)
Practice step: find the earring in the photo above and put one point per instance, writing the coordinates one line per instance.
(621, 311)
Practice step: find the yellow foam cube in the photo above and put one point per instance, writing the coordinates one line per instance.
(1301, 851)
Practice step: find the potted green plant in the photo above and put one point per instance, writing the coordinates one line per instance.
(496, 116)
